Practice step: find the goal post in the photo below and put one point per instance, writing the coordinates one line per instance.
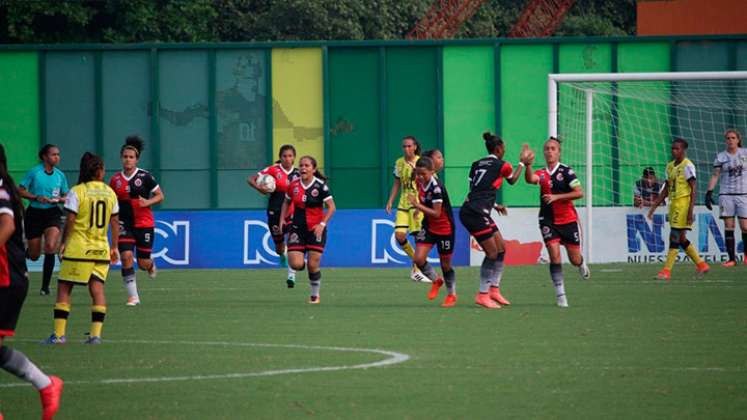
(614, 124)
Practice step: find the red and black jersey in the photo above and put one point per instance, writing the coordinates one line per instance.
(283, 180)
(12, 254)
(129, 190)
(430, 194)
(559, 180)
(308, 202)
(485, 178)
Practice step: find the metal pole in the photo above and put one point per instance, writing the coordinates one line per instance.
(589, 173)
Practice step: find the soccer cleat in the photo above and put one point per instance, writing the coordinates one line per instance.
(730, 263)
(44, 292)
(314, 300)
(583, 269)
(495, 294)
(484, 300)
(418, 277)
(93, 340)
(562, 301)
(50, 397)
(664, 274)
(53, 339)
(450, 300)
(133, 301)
(435, 286)
(152, 271)
(291, 281)
(702, 268)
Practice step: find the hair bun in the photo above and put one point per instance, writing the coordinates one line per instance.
(136, 142)
(487, 136)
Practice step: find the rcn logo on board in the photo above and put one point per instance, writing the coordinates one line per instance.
(258, 245)
(172, 241)
(384, 246)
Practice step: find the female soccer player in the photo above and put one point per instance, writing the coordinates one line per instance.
(13, 288)
(485, 178)
(307, 233)
(45, 187)
(137, 190)
(730, 167)
(85, 253)
(407, 219)
(438, 229)
(680, 187)
(437, 157)
(284, 173)
(558, 220)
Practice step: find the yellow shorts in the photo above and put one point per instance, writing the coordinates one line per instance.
(407, 221)
(80, 272)
(678, 209)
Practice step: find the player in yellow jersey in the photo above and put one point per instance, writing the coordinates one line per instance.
(91, 205)
(407, 219)
(680, 187)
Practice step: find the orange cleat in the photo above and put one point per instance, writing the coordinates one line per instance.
(484, 300)
(730, 263)
(433, 293)
(495, 294)
(664, 274)
(50, 398)
(314, 300)
(702, 268)
(450, 301)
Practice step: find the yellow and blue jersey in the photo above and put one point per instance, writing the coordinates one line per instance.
(93, 203)
(405, 172)
(678, 177)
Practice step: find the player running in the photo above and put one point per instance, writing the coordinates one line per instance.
(730, 167)
(137, 190)
(485, 178)
(558, 219)
(85, 253)
(14, 285)
(284, 173)
(45, 187)
(680, 188)
(438, 229)
(407, 218)
(307, 233)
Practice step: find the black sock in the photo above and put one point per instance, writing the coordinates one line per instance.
(729, 236)
(450, 280)
(744, 244)
(47, 273)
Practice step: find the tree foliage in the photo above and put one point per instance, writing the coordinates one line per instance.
(118, 21)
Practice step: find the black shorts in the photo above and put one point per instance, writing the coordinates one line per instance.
(477, 223)
(273, 223)
(300, 239)
(36, 221)
(444, 243)
(140, 239)
(11, 302)
(567, 234)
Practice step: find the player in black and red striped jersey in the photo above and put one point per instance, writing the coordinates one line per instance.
(307, 233)
(14, 285)
(284, 173)
(137, 190)
(558, 219)
(437, 229)
(485, 178)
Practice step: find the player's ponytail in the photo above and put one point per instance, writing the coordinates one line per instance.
(317, 172)
(90, 164)
(736, 133)
(134, 143)
(492, 141)
(10, 185)
(45, 149)
(283, 149)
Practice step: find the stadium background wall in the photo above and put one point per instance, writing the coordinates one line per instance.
(212, 114)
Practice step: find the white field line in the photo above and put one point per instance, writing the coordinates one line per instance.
(392, 359)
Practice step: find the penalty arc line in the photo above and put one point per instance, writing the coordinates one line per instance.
(392, 359)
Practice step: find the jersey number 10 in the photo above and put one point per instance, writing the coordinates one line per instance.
(98, 214)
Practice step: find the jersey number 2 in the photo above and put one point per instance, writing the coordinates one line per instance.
(98, 214)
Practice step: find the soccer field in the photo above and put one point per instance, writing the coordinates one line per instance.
(238, 344)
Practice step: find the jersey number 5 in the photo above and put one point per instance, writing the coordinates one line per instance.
(98, 214)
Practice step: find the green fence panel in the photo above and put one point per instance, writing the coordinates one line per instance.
(19, 110)
(183, 117)
(354, 147)
(411, 100)
(469, 110)
(523, 86)
(125, 104)
(740, 117)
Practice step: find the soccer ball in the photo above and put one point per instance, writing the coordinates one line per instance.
(266, 182)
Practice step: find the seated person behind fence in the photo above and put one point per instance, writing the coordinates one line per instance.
(646, 189)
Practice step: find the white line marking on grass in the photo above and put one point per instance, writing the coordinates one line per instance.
(611, 270)
(392, 359)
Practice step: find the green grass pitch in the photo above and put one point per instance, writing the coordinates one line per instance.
(628, 347)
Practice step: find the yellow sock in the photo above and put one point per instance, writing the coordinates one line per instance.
(98, 313)
(408, 249)
(61, 312)
(693, 254)
(671, 256)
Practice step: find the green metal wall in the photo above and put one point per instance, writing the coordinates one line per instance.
(19, 110)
